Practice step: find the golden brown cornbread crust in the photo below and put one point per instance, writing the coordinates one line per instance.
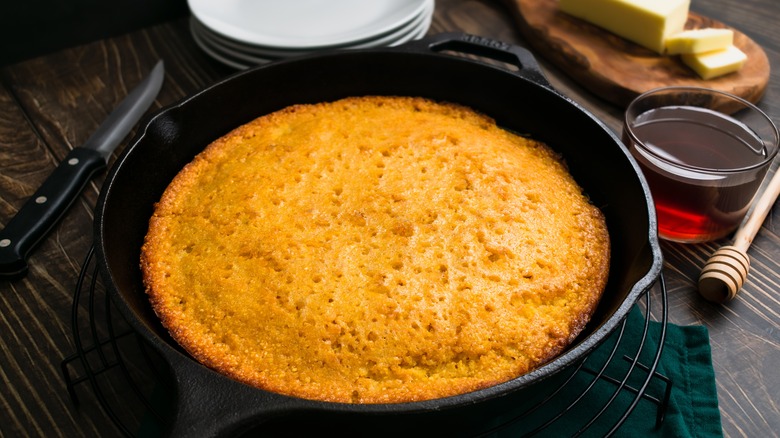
(374, 250)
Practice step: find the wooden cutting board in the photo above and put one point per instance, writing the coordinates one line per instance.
(619, 70)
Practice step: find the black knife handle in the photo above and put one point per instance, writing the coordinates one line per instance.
(44, 209)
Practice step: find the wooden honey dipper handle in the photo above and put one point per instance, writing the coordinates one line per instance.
(726, 271)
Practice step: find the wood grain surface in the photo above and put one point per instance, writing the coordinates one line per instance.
(53, 103)
(618, 69)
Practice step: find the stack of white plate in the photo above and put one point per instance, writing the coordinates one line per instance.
(244, 33)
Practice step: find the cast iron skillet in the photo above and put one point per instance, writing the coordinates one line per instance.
(514, 92)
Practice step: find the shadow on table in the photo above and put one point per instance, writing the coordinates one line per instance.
(31, 28)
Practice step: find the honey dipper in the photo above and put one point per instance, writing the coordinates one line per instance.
(727, 268)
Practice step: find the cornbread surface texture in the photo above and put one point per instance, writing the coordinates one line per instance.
(374, 250)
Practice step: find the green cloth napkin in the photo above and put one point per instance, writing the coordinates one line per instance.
(686, 361)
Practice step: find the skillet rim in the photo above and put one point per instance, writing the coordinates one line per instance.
(575, 352)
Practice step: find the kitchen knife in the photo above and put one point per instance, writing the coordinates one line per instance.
(48, 204)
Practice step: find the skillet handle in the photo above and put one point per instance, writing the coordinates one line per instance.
(210, 405)
(496, 50)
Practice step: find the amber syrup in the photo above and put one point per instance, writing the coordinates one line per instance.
(707, 174)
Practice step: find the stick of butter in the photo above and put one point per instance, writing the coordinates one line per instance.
(709, 65)
(699, 41)
(645, 22)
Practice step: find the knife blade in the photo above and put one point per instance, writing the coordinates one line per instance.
(48, 204)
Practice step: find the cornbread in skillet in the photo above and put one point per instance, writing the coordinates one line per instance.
(374, 250)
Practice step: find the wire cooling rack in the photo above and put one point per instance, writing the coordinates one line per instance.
(131, 381)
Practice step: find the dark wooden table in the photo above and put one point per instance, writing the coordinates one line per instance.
(53, 103)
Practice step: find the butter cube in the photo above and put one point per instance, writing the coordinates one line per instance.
(646, 22)
(699, 41)
(710, 65)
